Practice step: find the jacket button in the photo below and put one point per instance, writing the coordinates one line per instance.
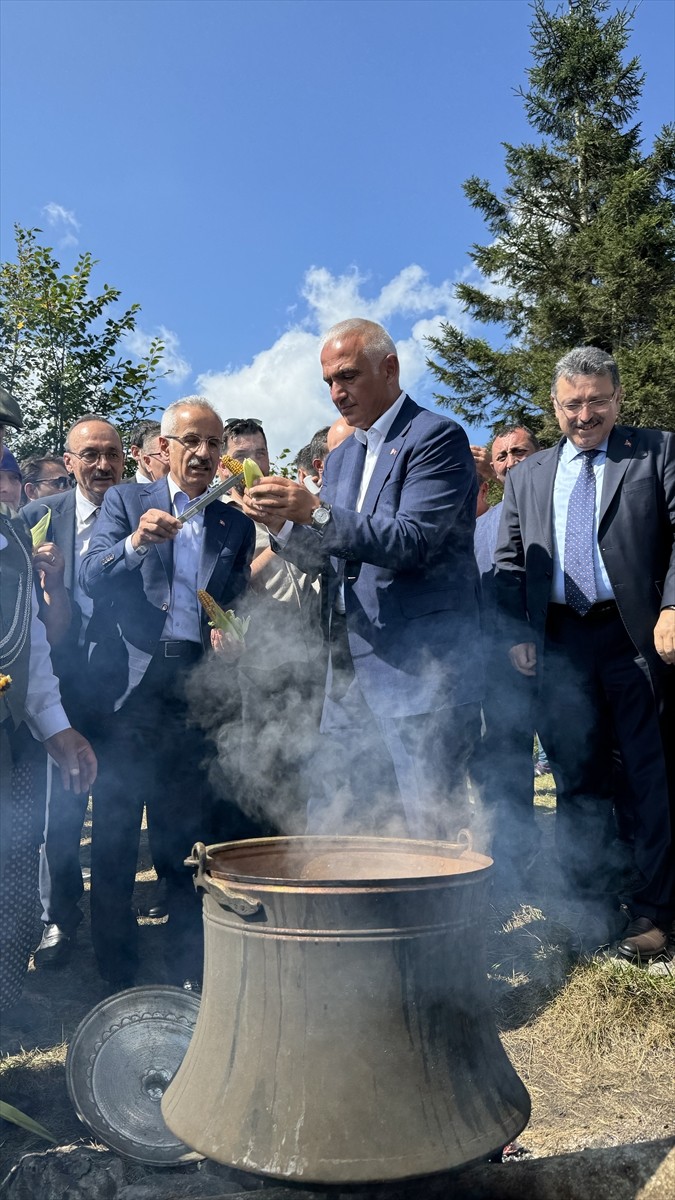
(165, 608)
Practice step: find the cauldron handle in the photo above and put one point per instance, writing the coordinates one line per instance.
(244, 906)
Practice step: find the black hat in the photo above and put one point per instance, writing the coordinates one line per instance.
(10, 413)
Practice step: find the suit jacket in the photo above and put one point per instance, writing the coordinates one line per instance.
(90, 681)
(407, 563)
(635, 534)
(140, 596)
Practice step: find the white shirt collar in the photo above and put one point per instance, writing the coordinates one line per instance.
(570, 451)
(83, 507)
(380, 428)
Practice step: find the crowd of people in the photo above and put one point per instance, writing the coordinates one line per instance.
(405, 643)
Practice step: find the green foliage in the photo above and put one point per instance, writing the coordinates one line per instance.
(9, 1113)
(62, 350)
(582, 248)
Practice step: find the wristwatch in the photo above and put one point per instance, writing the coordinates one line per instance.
(321, 516)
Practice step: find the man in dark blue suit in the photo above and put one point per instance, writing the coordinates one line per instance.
(586, 585)
(95, 458)
(393, 532)
(146, 566)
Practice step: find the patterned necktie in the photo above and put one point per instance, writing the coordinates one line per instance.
(580, 589)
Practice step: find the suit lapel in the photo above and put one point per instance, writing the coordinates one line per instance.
(543, 480)
(156, 495)
(620, 451)
(216, 528)
(384, 464)
(63, 522)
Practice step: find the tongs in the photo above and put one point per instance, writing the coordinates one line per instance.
(213, 493)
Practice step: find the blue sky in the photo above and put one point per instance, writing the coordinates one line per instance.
(250, 172)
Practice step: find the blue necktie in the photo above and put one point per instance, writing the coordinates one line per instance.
(580, 589)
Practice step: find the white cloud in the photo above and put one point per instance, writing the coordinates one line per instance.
(282, 386)
(139, 343)
(57, 215)
(63, 222)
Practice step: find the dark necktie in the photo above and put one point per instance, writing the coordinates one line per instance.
(580, 589)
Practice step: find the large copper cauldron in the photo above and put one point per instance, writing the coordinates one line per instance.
(344, 1034)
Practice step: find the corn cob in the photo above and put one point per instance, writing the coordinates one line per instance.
(5, 682)
(218, 619)
(232, 464)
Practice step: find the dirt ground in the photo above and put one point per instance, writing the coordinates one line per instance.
(593, 1040)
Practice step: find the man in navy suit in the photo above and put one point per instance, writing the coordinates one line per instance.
(95, 458)
(586, 584)
(146, 565)
(393, 532)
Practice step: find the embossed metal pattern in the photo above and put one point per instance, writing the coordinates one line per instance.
(121, 1059)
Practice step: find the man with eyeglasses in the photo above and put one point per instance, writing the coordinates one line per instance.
(44, 475)
(146, 565)
(95, 458)
(586, 583)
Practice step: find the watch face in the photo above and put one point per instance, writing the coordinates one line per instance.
(321, 515)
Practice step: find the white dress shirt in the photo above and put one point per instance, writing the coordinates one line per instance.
(85, 519)
(569, 466)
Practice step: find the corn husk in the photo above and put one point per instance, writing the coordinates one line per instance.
(252, 472)
(228, 621)
(38, 532)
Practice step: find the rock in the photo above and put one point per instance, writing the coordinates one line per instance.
(75, 1172)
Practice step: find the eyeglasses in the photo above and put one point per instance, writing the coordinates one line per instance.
(60, 482)
(192, 442)
(572, 408)
(229, 425)
(90, 457)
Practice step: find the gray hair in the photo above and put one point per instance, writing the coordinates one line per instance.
(585, 360)
(170, 414)
(376, 341)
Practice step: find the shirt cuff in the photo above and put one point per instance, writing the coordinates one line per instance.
(281, 538)
(132, 557)
(45, 724)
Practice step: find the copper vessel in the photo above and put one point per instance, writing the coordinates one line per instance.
(345, 1033)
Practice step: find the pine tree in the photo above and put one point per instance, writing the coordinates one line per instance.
(583, 239)
(61, 350)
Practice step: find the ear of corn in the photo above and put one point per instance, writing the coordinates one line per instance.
(252, 472)
(219, 619)
(232, 464)
(38, 532)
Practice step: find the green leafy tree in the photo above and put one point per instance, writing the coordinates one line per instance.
(582, 248)
(62, 349)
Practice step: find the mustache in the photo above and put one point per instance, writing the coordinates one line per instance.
(196, 461)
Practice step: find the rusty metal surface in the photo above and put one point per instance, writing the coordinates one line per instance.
(345, 1034)
(121, 1058)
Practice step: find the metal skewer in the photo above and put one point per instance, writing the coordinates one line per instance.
(214, 493)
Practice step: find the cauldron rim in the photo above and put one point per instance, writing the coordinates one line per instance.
(462, 864)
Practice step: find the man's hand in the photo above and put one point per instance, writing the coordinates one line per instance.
(524, 658)
(50, 564)
(155, 526)
(75, 757)
(274, 500)
(483, 463)
(226, 645)
(664, 636)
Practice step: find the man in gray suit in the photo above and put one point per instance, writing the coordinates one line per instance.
(586, 585)
(94, 456)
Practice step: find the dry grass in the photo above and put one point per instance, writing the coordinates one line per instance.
(599, 1059)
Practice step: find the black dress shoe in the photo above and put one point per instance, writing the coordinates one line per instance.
(157, 906)
(54, 949)
(192, 985)
(642, 940)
